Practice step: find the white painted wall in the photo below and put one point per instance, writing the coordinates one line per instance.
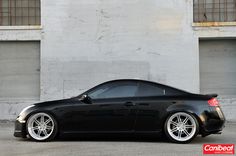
(86, 42)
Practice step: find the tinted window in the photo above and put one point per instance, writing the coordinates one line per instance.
(149, 89)
(173, 92)
(114, 90)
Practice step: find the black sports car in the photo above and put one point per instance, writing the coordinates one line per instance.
(124, 106)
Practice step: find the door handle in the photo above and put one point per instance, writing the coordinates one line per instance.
(128, 104)
(144, 104)
(104, 105)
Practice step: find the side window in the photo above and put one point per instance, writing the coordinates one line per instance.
(148, 89)
(20, 12)
(114, 90)
(173, 92)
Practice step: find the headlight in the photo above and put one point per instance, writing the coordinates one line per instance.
(21, 117)
(26, 109)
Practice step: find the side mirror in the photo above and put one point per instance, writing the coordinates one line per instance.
(86, 99)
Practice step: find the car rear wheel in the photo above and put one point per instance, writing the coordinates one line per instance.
(181, 127)
(41, 127)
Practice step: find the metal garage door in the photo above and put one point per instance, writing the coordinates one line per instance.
(218, 67)
(19, 70)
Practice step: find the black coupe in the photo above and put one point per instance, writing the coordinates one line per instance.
(124, 106)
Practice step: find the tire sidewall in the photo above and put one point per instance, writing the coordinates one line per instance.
(55, 129)
(176, 141)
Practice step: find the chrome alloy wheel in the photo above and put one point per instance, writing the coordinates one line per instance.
(181, 126)
(40, 126)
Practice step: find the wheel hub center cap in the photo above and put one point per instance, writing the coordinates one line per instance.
(42, 127)
(180, 126)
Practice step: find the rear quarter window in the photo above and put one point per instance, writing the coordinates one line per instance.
(148, 89)
(151, 89)
(173, 92)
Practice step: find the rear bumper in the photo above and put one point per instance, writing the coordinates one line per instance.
(212, 127)
(213, 121)
(20, 130)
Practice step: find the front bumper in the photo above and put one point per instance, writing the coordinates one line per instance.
(20, 129)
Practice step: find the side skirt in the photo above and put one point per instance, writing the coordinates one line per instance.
(111, 132)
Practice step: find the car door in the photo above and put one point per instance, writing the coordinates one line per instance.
(111, 110)
(149, 106)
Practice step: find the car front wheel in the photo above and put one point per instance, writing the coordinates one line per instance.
(181, 127)
(41, 127)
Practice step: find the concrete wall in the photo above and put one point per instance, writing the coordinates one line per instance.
(86, 42)
(91, 41)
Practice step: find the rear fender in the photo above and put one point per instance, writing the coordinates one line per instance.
(181, 108)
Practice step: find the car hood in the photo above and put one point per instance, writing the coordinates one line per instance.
(57, 102)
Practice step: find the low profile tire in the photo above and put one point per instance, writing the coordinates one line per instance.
(41, 127)
(181, 127)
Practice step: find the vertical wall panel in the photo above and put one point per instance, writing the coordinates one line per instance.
(19, 70)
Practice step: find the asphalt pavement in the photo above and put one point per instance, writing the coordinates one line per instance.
(107, 145)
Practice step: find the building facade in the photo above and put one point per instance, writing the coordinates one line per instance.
(57, 49)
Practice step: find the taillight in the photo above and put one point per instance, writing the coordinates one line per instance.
(213, 102)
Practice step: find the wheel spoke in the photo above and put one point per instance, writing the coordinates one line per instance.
(47, 121)
(174, 123)
(186, 119)
(39, 132)
(37, 122)
(35, 128)
(45, 133)
(186, 132)
(48, 127)
(42, 119)
(174, 129)
(189, 126)
(179, 134)
(178, 118)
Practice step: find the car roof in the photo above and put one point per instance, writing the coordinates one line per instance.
(145, 81)
(134, 80)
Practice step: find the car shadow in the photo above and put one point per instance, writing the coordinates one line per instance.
(208, 139)
(113, 138)
(125, 138)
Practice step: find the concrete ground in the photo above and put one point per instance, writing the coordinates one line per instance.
(125, 146)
